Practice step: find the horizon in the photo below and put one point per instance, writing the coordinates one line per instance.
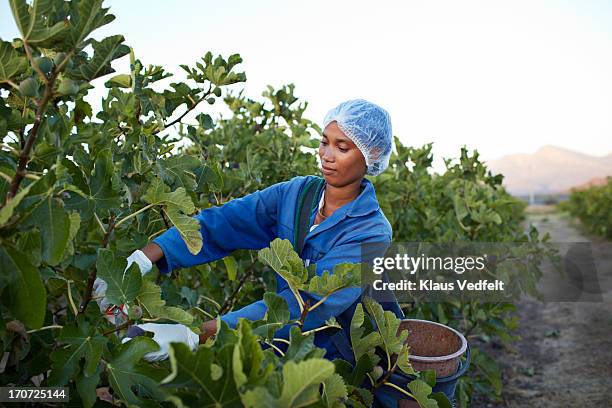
(599, 156)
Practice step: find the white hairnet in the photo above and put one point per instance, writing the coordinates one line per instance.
(369, 127)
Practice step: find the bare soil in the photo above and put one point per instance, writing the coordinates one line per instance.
(564, 355)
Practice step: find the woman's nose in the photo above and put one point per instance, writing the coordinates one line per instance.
(326, 154)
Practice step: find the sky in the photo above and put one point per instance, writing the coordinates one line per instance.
(501, 77)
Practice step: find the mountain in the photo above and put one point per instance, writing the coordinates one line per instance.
(595, 181)
(550, 170)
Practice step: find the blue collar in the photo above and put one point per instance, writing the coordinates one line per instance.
(364, 204)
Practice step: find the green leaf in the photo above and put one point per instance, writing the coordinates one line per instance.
(121, 81)
(26, 294)
(248, 358)
(301, 347)
(96, 194)
(12, 64)
(85, 17)
(300, 385)
(441, 399)
(278, 310)
(403, 361)
(83, 343)
(209, 176)
(179, 171)
(30, 243)
(359, 397)
(421, 391)
(123, 285)
(344, 275)
(429, 376)
(35, 23)
(362, 344)
(231, 266)
(489, 368)
(102, 191)
(152, 303)
(387, 325)
(82, 110)
(205, 121)
(193, 371)
(266, 330)
(50, 217)
(277, 315)
(7, 211)
(75, 224)
(334, 391)
(105, 52)
(177, 204)
(86, 387)
(125, 374)
(281, 257)
(364, 365)
(8, 267)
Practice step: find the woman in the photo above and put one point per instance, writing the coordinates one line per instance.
(356, 141)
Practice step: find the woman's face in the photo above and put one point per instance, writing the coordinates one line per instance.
(341, 160)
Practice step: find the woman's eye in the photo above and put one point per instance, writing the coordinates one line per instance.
(343, 150)
(323, 143)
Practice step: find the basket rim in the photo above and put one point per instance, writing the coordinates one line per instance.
(438, 359)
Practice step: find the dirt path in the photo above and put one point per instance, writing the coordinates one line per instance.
(564, 356)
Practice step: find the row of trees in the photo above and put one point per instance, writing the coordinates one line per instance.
(593, 207)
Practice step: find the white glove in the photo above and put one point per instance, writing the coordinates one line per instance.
(100, 285)
(164, 334)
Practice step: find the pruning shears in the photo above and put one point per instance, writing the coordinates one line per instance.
(117, 315)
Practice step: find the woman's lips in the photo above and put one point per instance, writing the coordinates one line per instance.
(327, 172)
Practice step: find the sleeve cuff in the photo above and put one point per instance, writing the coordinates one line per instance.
(230, 320)
(254, 311)
(164, 264)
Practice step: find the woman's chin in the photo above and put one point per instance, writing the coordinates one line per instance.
(329, 176)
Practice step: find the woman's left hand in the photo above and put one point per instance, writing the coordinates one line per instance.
(164, 334)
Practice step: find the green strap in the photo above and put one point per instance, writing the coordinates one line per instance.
(306, 202)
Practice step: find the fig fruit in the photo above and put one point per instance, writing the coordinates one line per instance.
(68, 87)
(29, 87)
(44, 64)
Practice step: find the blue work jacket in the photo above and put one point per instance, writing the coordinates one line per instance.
(253, 221)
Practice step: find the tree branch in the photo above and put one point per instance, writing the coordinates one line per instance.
(24, 155)
(36, 68)
(229, 302)
(120, 327)
(305, 311)
(163, 214)
(93, 273)
(386, 376)
(189, 109)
